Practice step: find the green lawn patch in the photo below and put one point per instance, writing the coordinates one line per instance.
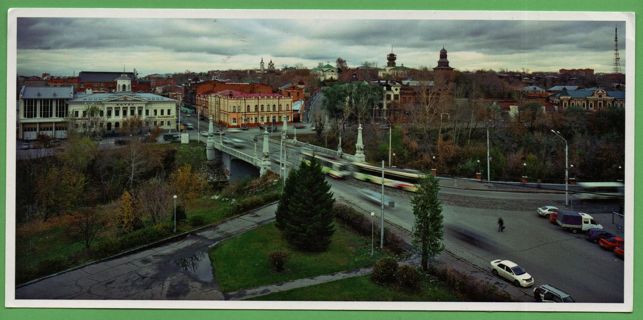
(363, 289)
(242, 262)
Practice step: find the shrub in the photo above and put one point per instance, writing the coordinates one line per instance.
(278, 260)
(384, 271)
(196, 221)
(408, 278)
(474, 290)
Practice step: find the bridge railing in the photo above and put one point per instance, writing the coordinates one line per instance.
(237, 154)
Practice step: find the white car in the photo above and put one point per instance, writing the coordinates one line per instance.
(546, 210)
(512, 272)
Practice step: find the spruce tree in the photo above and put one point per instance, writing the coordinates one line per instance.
(429, 229)
(309, 222)
(290, 188)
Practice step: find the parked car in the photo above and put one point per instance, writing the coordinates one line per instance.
(553, 216)
(620, 251)
(548, 293)
(546, 210)
(611, 243)
(594, 235)
(512, 272)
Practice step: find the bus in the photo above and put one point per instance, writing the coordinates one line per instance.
(333, 167)
(600, 190)
(395, 178)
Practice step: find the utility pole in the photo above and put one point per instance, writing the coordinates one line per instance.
(382, 215)
(488, 158)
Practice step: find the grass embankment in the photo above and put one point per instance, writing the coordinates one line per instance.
(243, 262)
(363, 289)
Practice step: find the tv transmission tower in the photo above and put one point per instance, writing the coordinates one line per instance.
(617, 59)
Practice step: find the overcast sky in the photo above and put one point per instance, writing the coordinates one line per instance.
(62, 46)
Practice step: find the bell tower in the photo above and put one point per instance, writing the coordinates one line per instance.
(123, 83)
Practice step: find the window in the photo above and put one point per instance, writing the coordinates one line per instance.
(155, 112)
(124, 112)
(274, 108)
(46, 108)
(162, 112)
(256, 108)
(117, 124)
(234, 120)
(30, 108)
(248, 108)
(117, 112)
(75, 113)
(279, 107)
(61, 111)
(147, 112)
(262, 108)
(101, 113)
(162, 122)
(169, 113)
(140, 112)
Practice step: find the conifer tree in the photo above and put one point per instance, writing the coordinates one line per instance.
(309, 222)
(429, 229)
(281, 215)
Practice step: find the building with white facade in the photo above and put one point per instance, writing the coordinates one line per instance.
(109, 112)
(235, 109)
(43, 111)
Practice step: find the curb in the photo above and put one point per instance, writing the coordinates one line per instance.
(145, 246)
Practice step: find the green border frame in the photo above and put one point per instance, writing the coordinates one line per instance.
(514, 5)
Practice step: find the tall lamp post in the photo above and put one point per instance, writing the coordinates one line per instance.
(174, 197)
(390, 135)
(372, 233)
(557, 133)
(382, 215)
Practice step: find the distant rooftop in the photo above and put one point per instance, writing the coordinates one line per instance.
(100, 97)
(237, 94)
(47, 92)
(102, 76)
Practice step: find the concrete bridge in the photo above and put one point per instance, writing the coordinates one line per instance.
(276, 156)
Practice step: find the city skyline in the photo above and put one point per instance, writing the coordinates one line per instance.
(64, 46)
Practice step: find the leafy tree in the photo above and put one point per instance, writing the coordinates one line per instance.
(188, 185)
(428, 231)
(128, 219)
(78, 152)
(59, 190)
(308, 225)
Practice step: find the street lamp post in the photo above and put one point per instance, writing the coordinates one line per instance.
(488, 158)
(389, 144)
(372, 233)
(382, 215)
(174, 198)
(557, 133)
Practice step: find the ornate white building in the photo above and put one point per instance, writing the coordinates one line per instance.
(110, 111)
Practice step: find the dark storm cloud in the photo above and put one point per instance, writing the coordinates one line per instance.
(310, 41)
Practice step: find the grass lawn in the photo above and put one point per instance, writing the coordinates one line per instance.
(242, 262)
(363, 289)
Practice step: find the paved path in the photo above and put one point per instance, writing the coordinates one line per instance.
(179, 270)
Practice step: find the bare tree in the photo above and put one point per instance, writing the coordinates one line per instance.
(154, 199)
(87, 224)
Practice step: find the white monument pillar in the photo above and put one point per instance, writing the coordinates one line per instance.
(265, 161)
(209, 148)
(359, 146)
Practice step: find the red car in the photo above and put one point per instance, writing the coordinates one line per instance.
(611, 243)
(553, 216)
(619, 251)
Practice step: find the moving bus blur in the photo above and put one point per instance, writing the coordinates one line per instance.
(394, 178)
(600, 190)
(333, 167)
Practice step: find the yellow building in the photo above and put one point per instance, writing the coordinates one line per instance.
(236, 109)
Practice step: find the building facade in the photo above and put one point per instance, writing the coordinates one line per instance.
(43, 111)
(111, 112)
(592, 99)
(325, 72)
(237, 109)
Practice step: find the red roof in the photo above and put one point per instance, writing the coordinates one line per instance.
(237, 94)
